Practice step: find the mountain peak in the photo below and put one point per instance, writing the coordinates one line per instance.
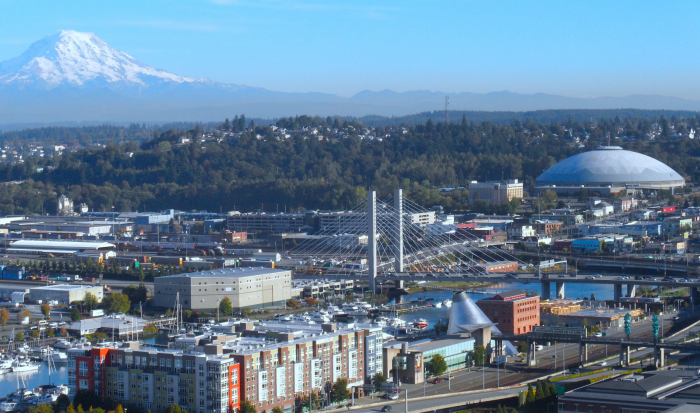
(78, 58)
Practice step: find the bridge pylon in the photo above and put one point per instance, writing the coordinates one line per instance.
(372, 241)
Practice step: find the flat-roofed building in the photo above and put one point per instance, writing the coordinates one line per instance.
(249, 287)
(495, 193)
(513, 310)
(65, 293)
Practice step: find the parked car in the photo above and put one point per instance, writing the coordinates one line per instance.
(598, 334)
(436, 381)
(386, 408)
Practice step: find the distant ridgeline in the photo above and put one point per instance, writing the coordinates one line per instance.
(324, 163)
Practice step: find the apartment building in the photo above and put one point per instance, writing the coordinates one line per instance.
(270, 364)
(153, 379)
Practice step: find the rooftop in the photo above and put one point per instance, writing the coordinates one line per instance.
(239, 272)
(66, 287)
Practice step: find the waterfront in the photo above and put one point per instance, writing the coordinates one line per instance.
(10, 382)
(434, 315)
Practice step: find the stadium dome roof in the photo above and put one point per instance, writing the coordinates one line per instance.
(611, 165)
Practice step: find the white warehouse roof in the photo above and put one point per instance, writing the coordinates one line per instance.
(63, 245)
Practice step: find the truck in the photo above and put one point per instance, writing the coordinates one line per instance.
(25, 321)
(97, 313)
(166, 260)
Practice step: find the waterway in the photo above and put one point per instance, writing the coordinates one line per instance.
(10, 382)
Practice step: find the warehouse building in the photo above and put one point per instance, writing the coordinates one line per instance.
(56, 247)
(245, 287)
(64, 293)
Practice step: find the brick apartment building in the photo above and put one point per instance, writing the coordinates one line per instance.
(515, 312)
(275, 365)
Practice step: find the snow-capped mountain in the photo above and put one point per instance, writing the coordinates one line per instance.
(76, 58)
(72, 77)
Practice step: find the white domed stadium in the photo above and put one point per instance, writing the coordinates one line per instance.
(608, 169)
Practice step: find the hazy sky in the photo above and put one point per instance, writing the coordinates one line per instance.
(573, 48)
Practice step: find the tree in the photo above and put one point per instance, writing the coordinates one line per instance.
(42, 408)
(277, 410)
(479, 355)
(45, 309)
(4, 317)
(530, 396)
(292, 303)
(22, 314)
(539, 392)
(592, 297)
(545, 390)
(90, 301)
(173, 408)
(247, 406)
(19, 337)
(378, 380)
(116, 303)
(339, 391)
(136, 294)
(225, 306)
(311, 301)
(70, 409)
(75, 314)
(437, 365)
(120, 409)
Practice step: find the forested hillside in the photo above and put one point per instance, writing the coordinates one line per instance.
(255, 169)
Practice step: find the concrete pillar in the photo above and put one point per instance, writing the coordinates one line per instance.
(559, 288)
(618, 292)
(627, 356)
(662, 358)
(372, 240)
(546, 290)
(398, 242)
(631, 290)
(398, 284)
(622, 356)
(580, 354)
(693, 294)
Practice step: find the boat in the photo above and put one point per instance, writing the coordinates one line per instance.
(10, 406)
(303, 318)
(420, 324)
(447, 303)
(21, 366)
(282, 318)
(354, 311)
(48, 393)
(335, 311)
(438, 304)
(59, 357)
(320, 316)
(62, 344)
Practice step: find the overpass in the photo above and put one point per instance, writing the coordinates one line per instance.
(559, 280)
(577, 335)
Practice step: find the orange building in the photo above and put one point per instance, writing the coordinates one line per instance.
(513, 311)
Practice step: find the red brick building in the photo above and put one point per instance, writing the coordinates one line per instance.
(513, 311)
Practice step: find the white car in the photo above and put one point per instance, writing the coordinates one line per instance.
(603, 364)
(598, 334)
(590, 277)
(539, 347)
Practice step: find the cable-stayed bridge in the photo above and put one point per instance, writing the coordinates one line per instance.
(407, 240)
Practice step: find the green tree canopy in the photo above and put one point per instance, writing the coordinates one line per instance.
(339, 391)
(479, 355)
(437, 365)
(247, 406)
(225, 306)
(90, 301)
(116, 303)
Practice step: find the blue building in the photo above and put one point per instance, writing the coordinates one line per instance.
(13, 272)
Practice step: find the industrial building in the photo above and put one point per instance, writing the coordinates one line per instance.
(606, 170)
(246, 288)
(118, 325)
(653, 391)
(56, 247)
(65, 293)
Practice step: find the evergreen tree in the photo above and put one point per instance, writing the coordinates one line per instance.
(539, 393)
(530, 396)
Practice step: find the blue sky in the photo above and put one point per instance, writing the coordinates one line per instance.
(573, 48)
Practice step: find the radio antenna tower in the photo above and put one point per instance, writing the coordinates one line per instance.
(447, 116)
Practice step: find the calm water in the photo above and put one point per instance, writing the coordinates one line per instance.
(10, 382)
